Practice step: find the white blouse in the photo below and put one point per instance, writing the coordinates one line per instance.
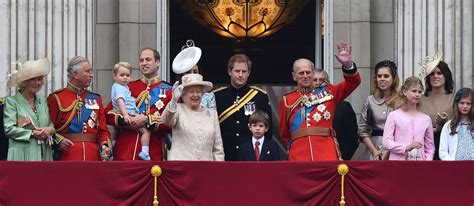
(448, 144)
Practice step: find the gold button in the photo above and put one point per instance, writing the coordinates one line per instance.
(238, 122)
(236, 147)
(237, 134)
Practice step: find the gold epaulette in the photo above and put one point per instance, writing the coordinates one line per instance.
(218, 89)
(258, 89)
(2, 100)
(60, 106)
(59, 90)
(294, 90)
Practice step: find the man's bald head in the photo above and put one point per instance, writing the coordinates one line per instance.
(302, 62)
(303, 70)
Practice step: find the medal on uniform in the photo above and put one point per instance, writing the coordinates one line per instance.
(159, 104)
(91, 104)
(93, 115)
(237, 101)
(321, 107)
(327, 115)
(317, 117)
(249, 108)
(162, 92)
(91, 123)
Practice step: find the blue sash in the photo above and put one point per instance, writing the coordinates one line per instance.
(76, 125)
(154, 93)
(299, 119)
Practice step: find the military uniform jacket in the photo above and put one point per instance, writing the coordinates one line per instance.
(79, 112)
(315, 111)
(152, 96)
(234, 107)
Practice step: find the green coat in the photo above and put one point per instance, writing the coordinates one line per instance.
(22, 145)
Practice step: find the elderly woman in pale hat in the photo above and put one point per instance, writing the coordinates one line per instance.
(27, 122)
(196, 131)
(438, 98)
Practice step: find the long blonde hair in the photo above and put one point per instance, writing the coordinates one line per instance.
(409, 82)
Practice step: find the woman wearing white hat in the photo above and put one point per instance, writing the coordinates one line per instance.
(186, 62)
(27, 122)
(438, 99)
(196, 130)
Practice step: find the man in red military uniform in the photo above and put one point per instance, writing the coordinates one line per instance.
(78, 116)
(152, 95)
(306, 113)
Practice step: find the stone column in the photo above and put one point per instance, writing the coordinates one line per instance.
(423, 27)
(352, 25)
(57, 29)
(124, 27)
(107, 46)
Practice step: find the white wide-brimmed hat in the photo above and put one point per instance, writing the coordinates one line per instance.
(29, 69)
(196, 80)
(429, 64)
(187, 58)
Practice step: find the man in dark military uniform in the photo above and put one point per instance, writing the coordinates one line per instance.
(236, 103)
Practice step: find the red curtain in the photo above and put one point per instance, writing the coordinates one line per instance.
(237, 183)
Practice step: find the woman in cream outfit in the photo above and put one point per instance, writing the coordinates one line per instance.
(196, 131)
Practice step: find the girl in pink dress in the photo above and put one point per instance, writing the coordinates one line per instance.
(408, 133)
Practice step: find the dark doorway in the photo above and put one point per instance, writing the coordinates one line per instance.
(272, 56)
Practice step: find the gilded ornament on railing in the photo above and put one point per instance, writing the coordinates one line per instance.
(342, 169)
(156, 172)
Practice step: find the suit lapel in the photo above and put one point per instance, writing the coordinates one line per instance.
(265, 150)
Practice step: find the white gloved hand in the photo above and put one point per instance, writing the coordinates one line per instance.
(177, 91)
